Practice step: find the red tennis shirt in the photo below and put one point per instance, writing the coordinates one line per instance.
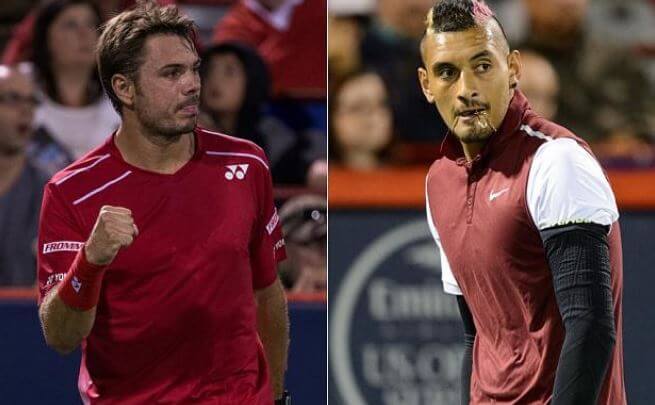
(486, 216)
(176, 320)
(291, 39)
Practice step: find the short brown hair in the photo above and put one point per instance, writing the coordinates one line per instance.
(120, 48)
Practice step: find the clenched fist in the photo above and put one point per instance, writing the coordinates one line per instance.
(113, 230)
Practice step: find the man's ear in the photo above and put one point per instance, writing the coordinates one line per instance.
(425, 84)
(124, 89)
(514, 66)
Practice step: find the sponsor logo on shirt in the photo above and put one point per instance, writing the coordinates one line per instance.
(62, 246)
(76, 284)
(57, 277)
(278, 245)
(493, 196)
(238, 171)
(272, 223)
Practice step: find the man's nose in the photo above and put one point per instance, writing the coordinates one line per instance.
(467, 89)
(192, 85)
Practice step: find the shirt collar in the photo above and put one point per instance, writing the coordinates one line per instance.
(452, 148)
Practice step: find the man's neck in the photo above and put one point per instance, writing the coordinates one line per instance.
(11, 167)
(471, 150)
(154, 152)
(72, 84)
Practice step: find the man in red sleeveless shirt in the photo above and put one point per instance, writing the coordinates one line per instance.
(527, 227)
(158, 249)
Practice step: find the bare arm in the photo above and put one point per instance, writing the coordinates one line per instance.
(68, 317)
(273, 327)
(64, 327)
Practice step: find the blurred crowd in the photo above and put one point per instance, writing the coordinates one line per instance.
(264, 79)
(587, 65)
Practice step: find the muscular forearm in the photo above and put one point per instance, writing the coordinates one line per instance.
(64, 327)
(68, 312)
(273, 326)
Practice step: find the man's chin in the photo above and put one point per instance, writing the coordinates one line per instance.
(180, 129)
(473, 136)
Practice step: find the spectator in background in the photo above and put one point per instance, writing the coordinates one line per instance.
(21, 184)
(317, 176)
(604, 89)
(361, 121)
(304, 224)
(236, 89)
(74, 112)
(539, 83)
(19, 47)
(390, 46)
(344, 42)
(289, 34)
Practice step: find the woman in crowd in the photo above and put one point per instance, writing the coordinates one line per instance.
(235, 92)
(235, 88)
(74, 113)
(361, 121)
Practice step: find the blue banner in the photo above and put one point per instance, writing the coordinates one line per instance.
(31, 373)
(395, 337)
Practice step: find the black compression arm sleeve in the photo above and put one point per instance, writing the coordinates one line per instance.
(578, 256)
(469, 338)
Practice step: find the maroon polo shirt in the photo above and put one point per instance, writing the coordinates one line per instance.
(492, 254)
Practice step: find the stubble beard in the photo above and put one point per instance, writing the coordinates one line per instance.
(480, 131)
(162, 128)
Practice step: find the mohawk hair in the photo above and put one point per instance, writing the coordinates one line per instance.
(458, 15)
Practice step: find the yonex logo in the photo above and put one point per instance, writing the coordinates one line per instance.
(238, 171)
(76, 284)
(62, 246)
(279, 245)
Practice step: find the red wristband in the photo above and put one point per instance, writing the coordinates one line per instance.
(80, 288)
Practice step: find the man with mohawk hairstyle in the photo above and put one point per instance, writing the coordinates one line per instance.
(526, 223)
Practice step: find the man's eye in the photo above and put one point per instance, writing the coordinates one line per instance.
(483, 67)
(446, 73)
(173, 73)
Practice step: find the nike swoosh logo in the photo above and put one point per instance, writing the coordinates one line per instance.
(493, 196)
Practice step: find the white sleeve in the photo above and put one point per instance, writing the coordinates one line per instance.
(567, 185)
(447, 278)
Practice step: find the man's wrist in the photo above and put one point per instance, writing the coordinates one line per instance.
(80, 288)
(91, 258)
(285, 399)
